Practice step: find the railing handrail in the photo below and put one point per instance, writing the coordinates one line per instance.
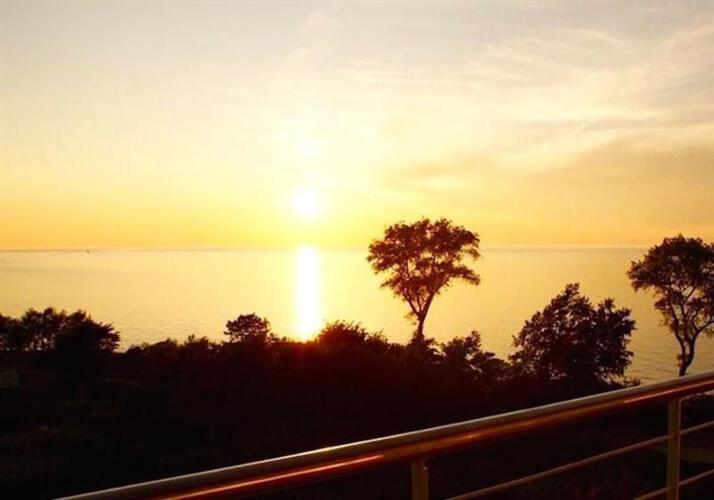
(344, 459)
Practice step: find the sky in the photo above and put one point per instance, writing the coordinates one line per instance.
(276, 124)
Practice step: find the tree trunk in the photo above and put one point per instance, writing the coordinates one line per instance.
(419, 337)
(687, 358)
(419, 334)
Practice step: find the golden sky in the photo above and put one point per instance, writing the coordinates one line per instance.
(272, 124)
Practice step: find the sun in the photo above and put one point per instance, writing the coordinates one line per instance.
(306, 203)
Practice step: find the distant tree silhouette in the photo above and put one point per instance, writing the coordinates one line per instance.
(346, 334)
(82, 347)
(249, 328)
(421, 260)
(40, 329)
(572, 341)
(57, 331)
(81, 333)
(9, 333)
(466, 356)
(680, 272)
(355, 359)
(34, 331)
(77, 345)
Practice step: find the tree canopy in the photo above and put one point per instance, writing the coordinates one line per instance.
(249, 328)
(52, 330)
(422, 259)
(573, 341)
(348, 334)
(466, 356)
(680, 273)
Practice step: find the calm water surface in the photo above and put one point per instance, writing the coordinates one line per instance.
(151, 295)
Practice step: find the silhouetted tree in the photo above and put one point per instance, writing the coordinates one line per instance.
(466, 356)
(347, 334)
(573, 341)
(155, 361)
(82, 346)
(355, 358)
(422, 259)
(249, 327)
(9, 332)
(81, 331)
(39, 330)
(34, 331)
(57, 331)
(680, 272)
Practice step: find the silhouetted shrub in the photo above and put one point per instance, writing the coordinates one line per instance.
(82, 347)
(347, 335)
(573, 342)
(465, 357)
(249, 328)
(9, 333)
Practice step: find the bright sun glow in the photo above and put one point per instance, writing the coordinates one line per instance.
(306, 203)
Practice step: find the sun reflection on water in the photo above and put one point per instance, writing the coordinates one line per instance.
(308, 306)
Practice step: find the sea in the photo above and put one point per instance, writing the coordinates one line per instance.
(151, 295)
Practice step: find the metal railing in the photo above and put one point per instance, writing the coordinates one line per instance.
(416, 448)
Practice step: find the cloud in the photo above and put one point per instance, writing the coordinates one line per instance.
(631, 190)
(628, 191)
(458, 175)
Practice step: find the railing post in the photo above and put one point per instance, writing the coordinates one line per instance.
(420, 481)
(674, 428)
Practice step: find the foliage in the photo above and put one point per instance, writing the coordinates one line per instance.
(77, 346)
(58, 331)
(347, 334)
(80, 333)
(34, 331)
(572, 341)
(680, 272)
(172, 407)
(466, 356)
(421, 260)
(249, 328)
(9, 333)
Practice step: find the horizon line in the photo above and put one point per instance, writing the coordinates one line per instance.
(494, 246)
